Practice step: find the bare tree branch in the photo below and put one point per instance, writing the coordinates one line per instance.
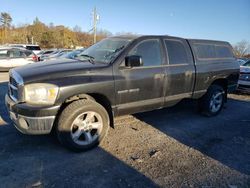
(241, 48)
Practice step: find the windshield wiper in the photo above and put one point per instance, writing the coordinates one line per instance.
(88, 57)
(114, 52)
(119, 49)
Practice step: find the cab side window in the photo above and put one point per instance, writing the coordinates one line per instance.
(177, 53)
(150, 52)
(26, 53)
(10, 54)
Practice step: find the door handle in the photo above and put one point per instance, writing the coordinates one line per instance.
(188, 73)
(159, 76)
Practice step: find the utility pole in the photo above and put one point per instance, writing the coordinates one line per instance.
(96, 18)
(94, 22)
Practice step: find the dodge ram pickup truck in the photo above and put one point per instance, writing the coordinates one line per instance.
(78, 98)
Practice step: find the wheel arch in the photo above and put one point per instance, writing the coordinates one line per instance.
(223, 82)
(99, 98)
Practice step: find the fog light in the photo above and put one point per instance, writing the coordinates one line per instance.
(23, 123)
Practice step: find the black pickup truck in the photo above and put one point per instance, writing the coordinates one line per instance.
(78, 98)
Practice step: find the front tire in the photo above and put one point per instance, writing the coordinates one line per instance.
(213, 101)
(82, 125)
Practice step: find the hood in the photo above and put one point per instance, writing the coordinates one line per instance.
(59, 68)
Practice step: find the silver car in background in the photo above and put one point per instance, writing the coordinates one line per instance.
(72, 54)
(244, 78)
(54, 55)
(45, 53)
(32, 47)
(14, 57)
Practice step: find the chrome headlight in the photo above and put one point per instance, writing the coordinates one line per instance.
(40, 93)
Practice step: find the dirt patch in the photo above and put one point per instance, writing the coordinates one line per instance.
(240, 96)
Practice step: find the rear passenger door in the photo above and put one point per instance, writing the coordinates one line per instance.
(180, 70)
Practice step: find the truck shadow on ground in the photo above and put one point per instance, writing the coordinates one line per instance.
(225, 138)
(40, 161)
(28, 161)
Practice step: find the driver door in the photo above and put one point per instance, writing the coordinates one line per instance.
(141, 88)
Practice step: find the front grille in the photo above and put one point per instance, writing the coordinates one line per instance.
(13, 89)
(245, 77)
(15, 85)
(14, 93)
(13, 82)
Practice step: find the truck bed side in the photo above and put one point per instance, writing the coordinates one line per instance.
(214, 62)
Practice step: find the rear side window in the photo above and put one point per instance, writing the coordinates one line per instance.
(150, 52)
(33, 48)
(10, 54)
(177, 53)
(210, 51)
(205, 51)
(16, 53)
(27, 53)
(223, 52)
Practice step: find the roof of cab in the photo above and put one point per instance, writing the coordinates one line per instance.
(191, 40)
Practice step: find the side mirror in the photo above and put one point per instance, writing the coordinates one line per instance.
(133, 61)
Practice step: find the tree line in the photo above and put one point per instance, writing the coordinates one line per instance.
(47, 36)
(51, 36)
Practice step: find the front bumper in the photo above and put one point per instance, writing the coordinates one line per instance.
(244, 86)
(29, 119)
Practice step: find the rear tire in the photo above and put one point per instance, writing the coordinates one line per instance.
(82, 125)
(213, 101)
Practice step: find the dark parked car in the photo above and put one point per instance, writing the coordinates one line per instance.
(244, 79)
(119, 75)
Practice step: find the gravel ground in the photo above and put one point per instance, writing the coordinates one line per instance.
(174, 147)
(3, 77)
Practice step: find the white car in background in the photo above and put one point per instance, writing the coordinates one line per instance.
(33, 47)
(14, 57)
(244, 79)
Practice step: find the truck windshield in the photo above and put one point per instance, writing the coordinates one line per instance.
(104, 51)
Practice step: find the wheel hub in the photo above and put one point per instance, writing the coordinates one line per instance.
(216, 101)
(86, 128)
